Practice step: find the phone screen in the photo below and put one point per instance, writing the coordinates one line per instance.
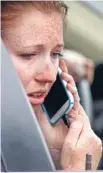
(55, 98)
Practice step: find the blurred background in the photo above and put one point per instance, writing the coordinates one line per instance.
(83, 34)
(84, 28)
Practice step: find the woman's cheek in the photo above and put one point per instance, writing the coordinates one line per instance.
(24, 71)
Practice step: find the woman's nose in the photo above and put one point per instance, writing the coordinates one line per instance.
(47, 75)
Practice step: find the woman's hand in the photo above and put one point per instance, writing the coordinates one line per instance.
(79, 141)
(55, 135)
(61, 140)
(80, 138)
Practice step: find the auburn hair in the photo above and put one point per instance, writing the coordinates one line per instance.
(12, 9)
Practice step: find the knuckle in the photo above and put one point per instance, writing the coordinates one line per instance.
(71, 78)
(69, 147)
(96, 140)
(74, 91)
(99, 145)
(76, 125)
(99, 142)
(91, 136)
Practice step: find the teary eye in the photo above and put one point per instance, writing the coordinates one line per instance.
(28, 55)
(57, 55)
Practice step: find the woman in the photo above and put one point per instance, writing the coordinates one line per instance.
(33, 35)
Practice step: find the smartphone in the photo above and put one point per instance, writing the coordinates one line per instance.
(58, 102)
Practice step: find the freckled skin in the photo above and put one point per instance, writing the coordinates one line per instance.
(33, 28)
(39, 71)
(46, 28)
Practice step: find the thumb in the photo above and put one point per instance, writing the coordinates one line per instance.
(74, 132)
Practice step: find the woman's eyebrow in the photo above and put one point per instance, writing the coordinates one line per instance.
(33, 46)
(59, 46)
(40, 46)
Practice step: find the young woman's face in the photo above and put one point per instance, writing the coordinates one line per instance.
(35, 41)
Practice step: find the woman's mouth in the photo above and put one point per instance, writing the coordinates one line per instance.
(36, 98)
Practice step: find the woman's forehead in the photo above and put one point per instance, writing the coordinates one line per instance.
(37, 28)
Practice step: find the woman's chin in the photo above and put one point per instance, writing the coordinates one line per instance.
(36, 107)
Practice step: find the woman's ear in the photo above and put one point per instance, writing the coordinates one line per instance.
(63, 66)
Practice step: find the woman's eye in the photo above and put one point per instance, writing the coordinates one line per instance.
(57, 55)
(28, 55)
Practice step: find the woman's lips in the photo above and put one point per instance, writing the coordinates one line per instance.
(36, 99)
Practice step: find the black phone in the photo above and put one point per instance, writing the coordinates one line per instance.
(58, 101)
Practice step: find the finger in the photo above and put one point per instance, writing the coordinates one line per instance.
(63, 66)
(71, 119)
(72, 88)
(86, 132)
(68, 78)
(74, 133)
(82, 112)
(73, 114)
(84, 115)
(74, 92)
